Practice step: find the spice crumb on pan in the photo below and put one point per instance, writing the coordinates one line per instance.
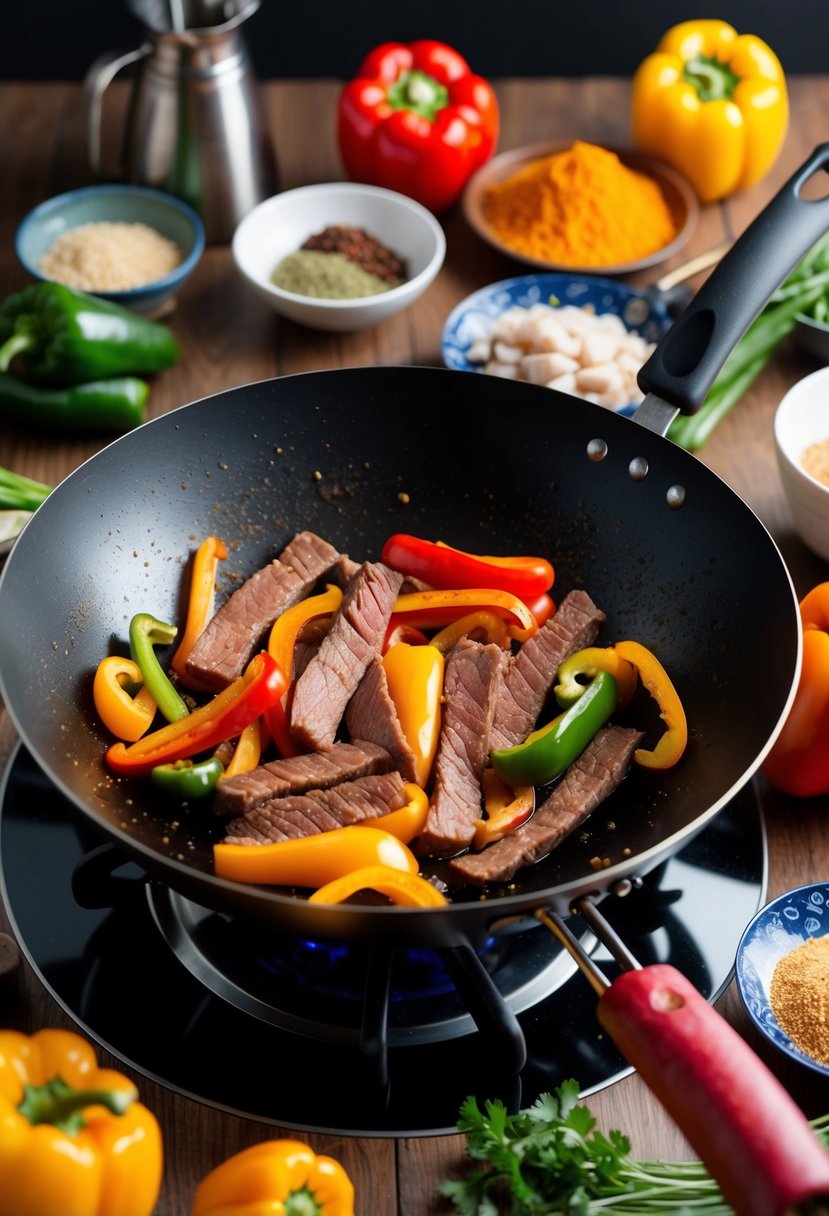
(799, 996)
(110, 256)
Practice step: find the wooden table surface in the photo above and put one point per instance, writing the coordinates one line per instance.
(229, 338)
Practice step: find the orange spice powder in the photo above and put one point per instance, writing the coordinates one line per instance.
(799, 996)
(580, 207)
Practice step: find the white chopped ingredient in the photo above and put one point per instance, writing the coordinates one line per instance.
(567, 348)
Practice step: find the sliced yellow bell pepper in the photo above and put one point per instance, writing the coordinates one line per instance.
(410, 820)
(247, 752)
(713, 103)
(313, 861)
(672, 743)
(286, 628)
(73, 1139)
(434, 609)
(415, 679)
(276, 1178)
(125, 715)
(587, 663)
(483, 626)
(200, 603)
(406, 890)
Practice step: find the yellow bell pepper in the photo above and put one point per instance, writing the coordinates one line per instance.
(247, 752)
(410, 820)
(276, 1178)
(415, 678)
(671, 745)
(73, 1139)
(200, 604)
(126, 715)
(405, 890)
(312, 861)
(713, 103)
(286, 628)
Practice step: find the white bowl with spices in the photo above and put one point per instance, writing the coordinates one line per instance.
(384, 222)
(801, 437)
(130, 244)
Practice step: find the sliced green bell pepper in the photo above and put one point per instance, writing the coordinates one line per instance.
(100, 405)
(63, 336)
(546, 753)
(146, 632)
(188, 779)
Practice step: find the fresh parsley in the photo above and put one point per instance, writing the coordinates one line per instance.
(550, 1160)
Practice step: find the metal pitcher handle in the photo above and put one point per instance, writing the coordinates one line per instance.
(99, 76)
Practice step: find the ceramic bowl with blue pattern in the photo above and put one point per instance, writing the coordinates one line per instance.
(473, 318)
(778, 928)
(117, 203)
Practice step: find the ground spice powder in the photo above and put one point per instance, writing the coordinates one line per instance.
(110, 256)
(815, 461)
(579, 207)
(799, 996)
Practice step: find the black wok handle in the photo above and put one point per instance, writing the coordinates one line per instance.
(685, 363)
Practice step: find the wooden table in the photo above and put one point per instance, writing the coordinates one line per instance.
(229, 338)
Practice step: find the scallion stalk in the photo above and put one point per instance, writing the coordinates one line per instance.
(19, 493)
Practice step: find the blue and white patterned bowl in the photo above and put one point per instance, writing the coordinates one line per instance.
(474, 316)
(779, 927)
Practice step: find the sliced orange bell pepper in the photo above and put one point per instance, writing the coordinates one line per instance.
(415, 679)
(126, 715)
(410, 820)
(672, 744)
(407, 890)
(200, 603)
(313, 861)
(484, 626)
(247, 752)
(798, 762)
(276, 1178)
(434, 609)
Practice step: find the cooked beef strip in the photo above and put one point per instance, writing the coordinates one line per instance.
(225, 646)
(317, 811)
(470, 688)
(345, 569)
(371, 714)
(355, 638)
(297, 774)
(529, 676)
(587, 782)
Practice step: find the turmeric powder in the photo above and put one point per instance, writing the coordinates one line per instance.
(579, 207)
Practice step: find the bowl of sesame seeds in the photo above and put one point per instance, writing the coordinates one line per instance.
(130, 244)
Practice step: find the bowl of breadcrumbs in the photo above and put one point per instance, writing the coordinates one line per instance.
(130, 244)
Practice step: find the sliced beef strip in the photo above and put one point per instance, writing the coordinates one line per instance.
(225, 646)
(530, 674)
(371, 714)
(355, 638)
(587, 782)
(317, 811)
(297, 774)
(470, 689)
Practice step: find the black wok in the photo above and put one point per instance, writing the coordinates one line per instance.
(670, 553)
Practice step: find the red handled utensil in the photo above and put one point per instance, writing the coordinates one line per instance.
(753, 1138)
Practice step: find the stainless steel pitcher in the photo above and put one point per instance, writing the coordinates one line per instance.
(195, 125)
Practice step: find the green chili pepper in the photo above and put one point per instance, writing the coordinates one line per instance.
(101, 405)
(547, 752)
(146, 632)
(186, 779)
(63, 336)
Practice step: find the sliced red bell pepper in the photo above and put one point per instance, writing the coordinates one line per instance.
(416, 119)
(542, 607)
(446, 568)
(434, 609)
(225, 717)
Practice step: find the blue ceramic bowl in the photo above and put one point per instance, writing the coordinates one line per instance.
(474, 316)
(117, 203)
(779, 927)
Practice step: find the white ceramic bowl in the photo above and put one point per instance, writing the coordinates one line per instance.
(119, 203)
(279, 226)
(802, 418)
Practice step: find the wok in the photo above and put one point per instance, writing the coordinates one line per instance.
(671, 554)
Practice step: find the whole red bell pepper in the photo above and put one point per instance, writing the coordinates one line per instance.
(798, 763)
(416, 119)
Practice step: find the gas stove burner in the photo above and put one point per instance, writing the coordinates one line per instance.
(141, 978)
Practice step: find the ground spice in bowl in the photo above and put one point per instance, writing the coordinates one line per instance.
(815, 461)
(340, 263)
(579, 207)
(110, 256)
(799, 996)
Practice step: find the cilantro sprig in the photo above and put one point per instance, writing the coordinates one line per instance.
(551, 1160)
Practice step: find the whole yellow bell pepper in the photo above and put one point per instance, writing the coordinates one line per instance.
(276, 1178)
(713, 103)
(73, 1139)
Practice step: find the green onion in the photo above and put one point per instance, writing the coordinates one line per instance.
(804, 293)
(21, 493)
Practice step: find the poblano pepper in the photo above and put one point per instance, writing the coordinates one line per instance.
(546, 753)
(63, 336)
(98, 406)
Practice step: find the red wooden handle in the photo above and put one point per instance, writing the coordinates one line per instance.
(752, 1136)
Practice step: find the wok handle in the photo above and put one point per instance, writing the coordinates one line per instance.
(685, 363)
(734, 1112)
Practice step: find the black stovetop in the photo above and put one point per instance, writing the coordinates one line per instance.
(264, 1029)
